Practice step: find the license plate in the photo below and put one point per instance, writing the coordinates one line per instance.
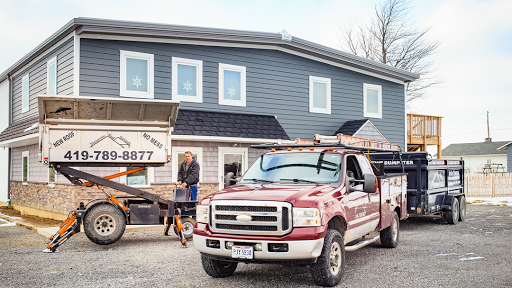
(242, 252)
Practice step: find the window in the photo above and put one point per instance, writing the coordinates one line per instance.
(25, 93)
(372, 100)
(51, 76)
(319, 95)
(187, 80)
(137, 74)
(25, 161)
(231, 85)
(178, 156)
(51, 177)
(141, 178)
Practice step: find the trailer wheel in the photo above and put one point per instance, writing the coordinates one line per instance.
(452, 216)
(389, 236)
(217, 268)
(104, 224)
(329, 267)
(188, 227)
(462, 208)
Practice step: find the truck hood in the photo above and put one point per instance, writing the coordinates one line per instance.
(300, 195)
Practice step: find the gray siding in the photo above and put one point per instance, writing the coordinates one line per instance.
(37, 172)
(277, 84)
(37, 80)
(509, 158)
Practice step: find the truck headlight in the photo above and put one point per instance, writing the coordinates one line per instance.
(202, 213)
(305, 217)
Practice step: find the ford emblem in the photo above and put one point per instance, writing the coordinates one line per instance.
(243, 218)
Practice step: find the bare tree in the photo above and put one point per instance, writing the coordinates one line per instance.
(390, 38)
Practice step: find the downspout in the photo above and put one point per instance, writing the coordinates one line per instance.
(9, 165)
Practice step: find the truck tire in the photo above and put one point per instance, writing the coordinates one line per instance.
(462, 208)
(188, 227)
(329, 267)
(389, 236)
(452, 216)
(217, 268)
(104, 224)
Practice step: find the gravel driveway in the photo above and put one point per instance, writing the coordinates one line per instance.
(431, 253)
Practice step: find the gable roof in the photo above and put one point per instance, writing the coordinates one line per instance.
(475, 149)
(350, 127)
(26, 127)
(363, 128)
(206, 123)
(214, 36)
(504, 147)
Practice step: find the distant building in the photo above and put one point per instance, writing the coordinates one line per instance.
(481, 156)
(508, 147)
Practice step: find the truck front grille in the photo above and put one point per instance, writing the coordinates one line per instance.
(250, 217)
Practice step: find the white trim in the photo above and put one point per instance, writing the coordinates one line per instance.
(20, 141)
(23, 108)
(23, 155)
(231, 150)
(242, 70)
(150, 77)
(504, 147)
(405, 117)
(151, 178)
(52, 61)
(239, 45)
(49, 50)
(76, 64)
(182, 149)
(379, 99)
(221, 139)
(326, 81)
(199, 80)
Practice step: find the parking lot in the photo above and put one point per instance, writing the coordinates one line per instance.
(431, 253)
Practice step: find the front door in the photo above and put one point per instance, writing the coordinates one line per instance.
(232, 160)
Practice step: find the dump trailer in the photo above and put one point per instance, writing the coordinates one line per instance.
(111, 132)
(435, 186)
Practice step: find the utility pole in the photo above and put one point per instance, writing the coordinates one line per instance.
(488, 139)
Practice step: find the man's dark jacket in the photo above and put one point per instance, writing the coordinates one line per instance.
(190, 175)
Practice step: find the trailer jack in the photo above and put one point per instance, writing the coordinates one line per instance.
(67, 229)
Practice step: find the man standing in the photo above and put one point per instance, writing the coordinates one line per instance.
(188, 175)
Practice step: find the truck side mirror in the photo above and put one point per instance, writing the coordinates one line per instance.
(229, 179)
(369, 185)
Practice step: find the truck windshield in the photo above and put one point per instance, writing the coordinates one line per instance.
(304, 167)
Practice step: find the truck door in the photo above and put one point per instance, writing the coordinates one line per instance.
(373, 210)
(356, 202)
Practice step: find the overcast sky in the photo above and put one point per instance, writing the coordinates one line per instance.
(475, 56)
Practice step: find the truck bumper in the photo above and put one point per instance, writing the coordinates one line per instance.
(297, 249)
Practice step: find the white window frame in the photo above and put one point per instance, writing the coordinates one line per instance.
(176, 165)
(51, 62)
(379, 89)
(25, 108)
(242, 69)
(23, 155)
(51, 184)
(199, 80)
(327, 81)
(151, 178)
(233, 150)
(151, 74)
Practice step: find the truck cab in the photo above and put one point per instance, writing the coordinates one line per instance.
(300, 205)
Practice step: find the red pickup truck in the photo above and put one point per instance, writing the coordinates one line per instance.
(301, 205)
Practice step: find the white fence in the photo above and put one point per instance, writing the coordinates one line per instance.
(488, 185)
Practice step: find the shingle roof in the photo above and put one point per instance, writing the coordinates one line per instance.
(350, 127)
(23, 128)
(470, 149)
(194, 122)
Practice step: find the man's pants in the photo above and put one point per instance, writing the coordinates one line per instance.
(193, 192)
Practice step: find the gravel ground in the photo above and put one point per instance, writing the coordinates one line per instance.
(431, 253)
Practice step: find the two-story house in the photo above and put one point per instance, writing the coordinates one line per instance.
(236, 88)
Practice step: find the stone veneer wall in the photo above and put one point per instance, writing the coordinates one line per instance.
(64, 198)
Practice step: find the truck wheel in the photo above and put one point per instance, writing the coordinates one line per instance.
(104, 224)
(217, 268)
(452, 216)
(188, 227)
(462, 208)
(329, 267)
(389, 236)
